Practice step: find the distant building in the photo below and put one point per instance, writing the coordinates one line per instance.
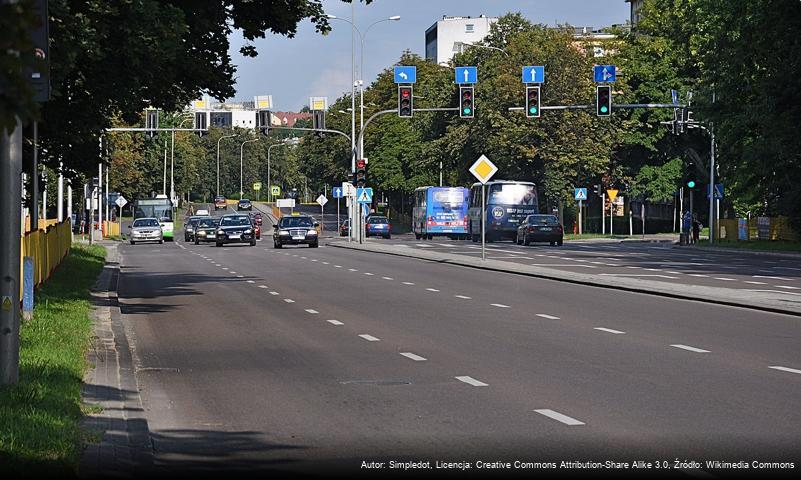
(447, 37)
(636, 7)
(288, 119)
(595, 42)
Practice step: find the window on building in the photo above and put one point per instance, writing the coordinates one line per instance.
(469, 28)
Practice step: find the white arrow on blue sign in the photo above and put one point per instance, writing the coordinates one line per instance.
(466, 74)
(605, 73)
(364, 195)
(406, 74)
(580, 193)
(336, 192)
(534, 74)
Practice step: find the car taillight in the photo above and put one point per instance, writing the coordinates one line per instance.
(532, 229)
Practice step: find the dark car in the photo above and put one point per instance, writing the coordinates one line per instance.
(189, 227)
(235, 229)
(206, 230)
(244, 204)
(220, 203)
(540, 228)
(295, 230)
(344, 229)
(378, 225)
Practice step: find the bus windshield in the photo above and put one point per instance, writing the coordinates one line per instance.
(512, 194)
(162, 212)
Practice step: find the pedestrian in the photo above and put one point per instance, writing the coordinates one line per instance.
(696, 229)
(686, 223)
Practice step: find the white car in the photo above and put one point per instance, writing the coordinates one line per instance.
(202, 213)
(146, 230)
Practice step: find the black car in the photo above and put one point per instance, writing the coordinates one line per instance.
(206, 230)
(235, 229)
(189, 227)
(244, 204)
(540, 228)
(296, 230)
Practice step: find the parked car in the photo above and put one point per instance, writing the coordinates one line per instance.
(146, 230)
(220, 203)
(540, 228)
(344, 229)
(235, 229)
(296, 230)
(244, 204)
(206, 230)
(378, 225)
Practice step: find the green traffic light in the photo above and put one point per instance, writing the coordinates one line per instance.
(467, 110)
(691, 184)
(603, 109)
(533, 109)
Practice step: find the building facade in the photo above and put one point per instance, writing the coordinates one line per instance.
(448, 36)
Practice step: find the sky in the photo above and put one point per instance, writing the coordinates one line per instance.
(310, 64)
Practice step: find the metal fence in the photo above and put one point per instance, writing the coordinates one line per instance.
(48, 247)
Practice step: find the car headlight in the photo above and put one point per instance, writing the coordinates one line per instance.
(201, 233)
(283, 232)
(311, 232)
(220, 232)
(248, 231)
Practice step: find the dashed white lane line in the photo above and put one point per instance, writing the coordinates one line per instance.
(352, 270)
(335, 322)
(464, 297)
(225, 268)
(549, 317)
(699, 275)
(274, 293)
(312, 311)
(314, 260)
(471, 381)
(263, 286)
(772, 278)
(559, 417)
(691, 349)
(609, 330)
(388, 278)
(233, 272)
(337, 266)
(416, 358)
(240, 276)
(633, 266)
(289, 300)
(251, 281)
(408, 283)
(369, 338)
(500, 305)
(785, 369)
(432, 289)
(368, 274)
(303, 258)
(755, 283)
(787, 287)
(326, 263)
(725, 279)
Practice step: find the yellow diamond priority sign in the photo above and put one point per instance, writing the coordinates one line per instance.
(483, 169)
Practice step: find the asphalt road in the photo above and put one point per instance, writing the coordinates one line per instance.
(316, 360)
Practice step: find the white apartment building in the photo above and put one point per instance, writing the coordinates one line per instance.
(446, 37)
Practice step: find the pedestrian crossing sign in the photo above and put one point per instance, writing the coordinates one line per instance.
(364, 195)
(580, 193)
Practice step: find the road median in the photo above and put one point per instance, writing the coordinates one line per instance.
(765, 300)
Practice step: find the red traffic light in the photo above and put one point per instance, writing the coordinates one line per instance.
(360, 164)
(405, 101)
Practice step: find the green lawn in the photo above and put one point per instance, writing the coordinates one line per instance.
(760, 245)
(39, 418)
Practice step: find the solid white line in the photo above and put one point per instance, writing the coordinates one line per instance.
(609, 330)
(755, 283)
(274, 293)
(335, 322)
(462, 297)
(692, 349)
(289, 300)
(388, 278)
(786, 369)
(432, 289)
(549, 317)
(408, 283)
(263, 286)
(369, 338)
(416, 358)
(559, 417)
(251, 281)
(313, 312)
(637, 275)
(471, 381)
(561, 265)
(500, 305)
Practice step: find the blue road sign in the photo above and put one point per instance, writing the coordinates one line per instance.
(534, 74)
(466, 74)
(605, 73)
(336, 192)
(580, 193)
(364, 195)
(405, 74)
(718, 191)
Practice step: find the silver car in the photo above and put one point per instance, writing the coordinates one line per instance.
(146, 230)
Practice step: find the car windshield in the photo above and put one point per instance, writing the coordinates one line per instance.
(543, 220)
(244, 201)
(207, 223)
(234, 221)
(289, 222)
(378, 220)
(146, 222)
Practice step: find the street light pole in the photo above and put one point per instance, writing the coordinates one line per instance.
(172, 159)
(218, 160)
(241, 163)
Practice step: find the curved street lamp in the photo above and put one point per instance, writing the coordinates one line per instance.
(241, 163)
(218, 160)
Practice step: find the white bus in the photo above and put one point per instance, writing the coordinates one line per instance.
(160, 207)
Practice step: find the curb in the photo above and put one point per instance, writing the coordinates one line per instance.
(698, 293)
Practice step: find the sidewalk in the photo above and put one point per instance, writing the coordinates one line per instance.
(123, 449)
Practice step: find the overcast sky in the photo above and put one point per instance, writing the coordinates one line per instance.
(310, 64)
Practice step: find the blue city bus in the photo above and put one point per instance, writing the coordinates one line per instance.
(508, 203)
(440, 211)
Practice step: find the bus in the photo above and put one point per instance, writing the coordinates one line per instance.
(508, 203)
(159, 207)
(440, 211)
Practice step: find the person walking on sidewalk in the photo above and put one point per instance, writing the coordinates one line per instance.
(686, 223)
(696, 229)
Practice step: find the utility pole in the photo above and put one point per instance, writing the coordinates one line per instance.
(34, 210)
(10, 234)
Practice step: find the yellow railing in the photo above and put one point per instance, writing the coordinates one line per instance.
(47, 247)
(779, 229)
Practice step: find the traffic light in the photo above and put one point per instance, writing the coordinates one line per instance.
(466, 102)
(596, 189)
(263, 121)
(200, 122)
(361, 173)
(405, 102)
(533, 101)
(318, 122)
(151, 121)
(603, 100)
(691, 183)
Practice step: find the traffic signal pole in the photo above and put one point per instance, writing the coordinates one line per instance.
(10, 234)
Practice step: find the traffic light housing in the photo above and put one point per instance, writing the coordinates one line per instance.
(263, 121)
(596, 189)
(405, 101)
(603, 100)
(533, 104)
(466, 102)
(361, 173)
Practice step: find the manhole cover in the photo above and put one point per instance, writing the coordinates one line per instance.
(376, 382)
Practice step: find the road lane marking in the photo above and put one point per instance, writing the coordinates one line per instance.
(335, 322)
(369, 338)
(549, 317)
(674, 273)
(303, 258)
(263, 286)
(785, 369)
(463, 297)
(471, 381)
(312, 311)
(314, 260)
(500, 305)
(388, 278)
(352, 270)
(224, 268)
(755, 283)
(773, 278)
(432, 289)
(251, 281)
(654, 269)
(787, 287)
(289, 300)
(561, 265)
(637, 275)
(609, 330)
(787, 268)
(408, 283)
(368, 274)
(775, 291)
(337, 266)
(725, 279)
(274, 293)
(691, 349)
(699, 275)
(326, 263)
(632, 266)
(233, 272)
(416, 358)
(240, 276)
(559, 417)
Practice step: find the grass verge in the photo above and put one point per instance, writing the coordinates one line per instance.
(40, 417)
(759, 245)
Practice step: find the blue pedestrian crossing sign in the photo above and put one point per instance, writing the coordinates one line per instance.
(336, 192)
(604, 73)
(405, 74)
(580, 193)
(364, 195)
(466, 74)
(718, 191)
(534, 74)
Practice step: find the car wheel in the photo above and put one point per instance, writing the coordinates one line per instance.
(253, 243)
(526, 241)
(133, 243)
(313, 245)
(219, 244)
(277, 245)
(559, 242)
(161, 241)
(197, 242)
(388, 237)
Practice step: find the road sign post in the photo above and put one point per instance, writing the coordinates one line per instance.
(483, 169)
(580, 194)
(612, 195)
(322, 200)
